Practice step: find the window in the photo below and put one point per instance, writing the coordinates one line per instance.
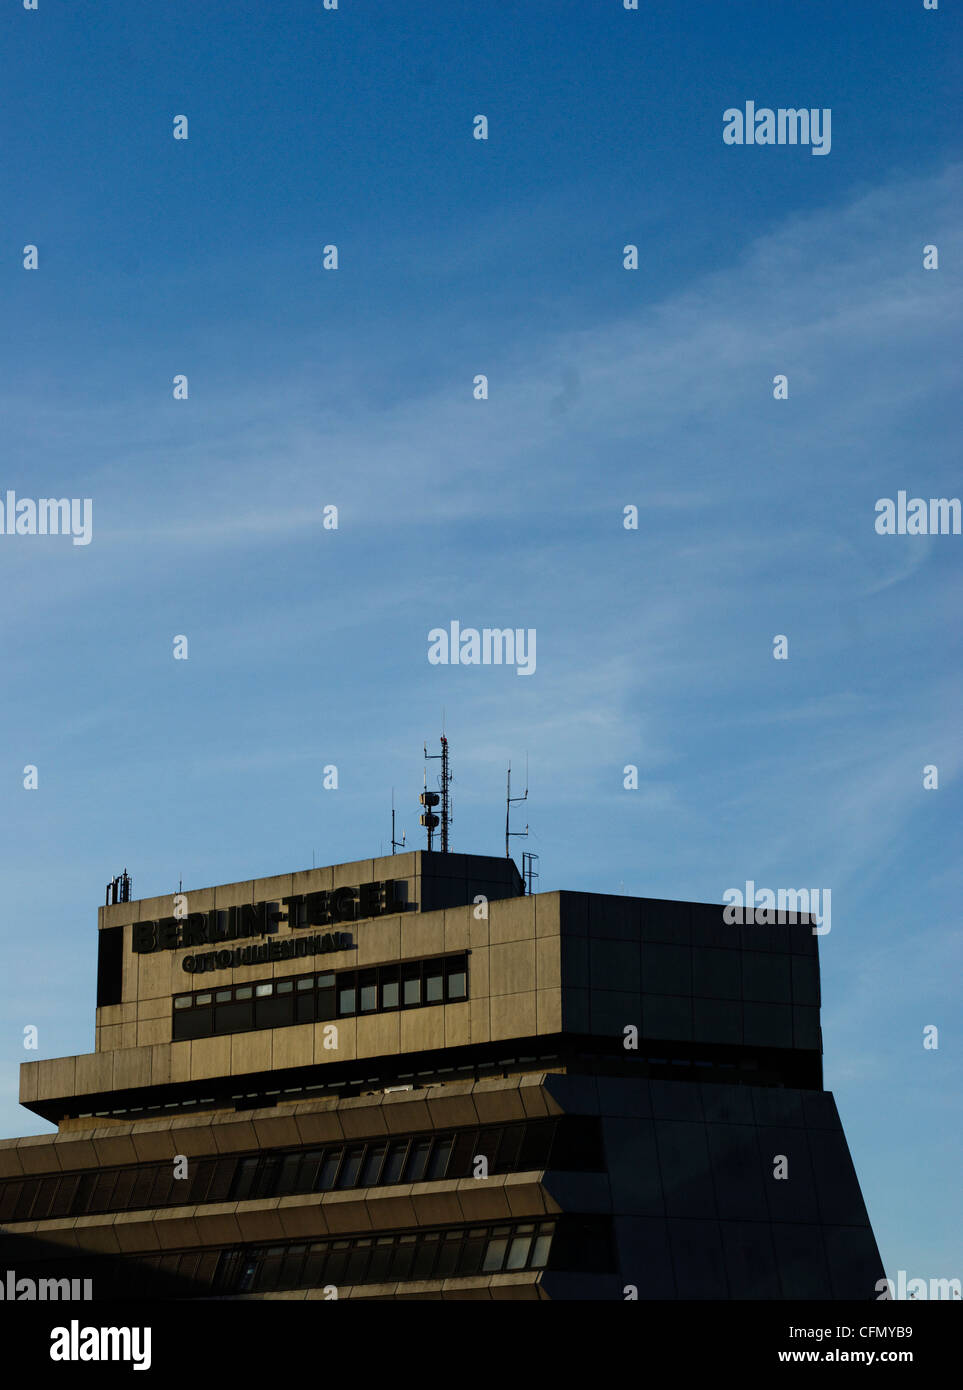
(411, 985)
(424, 1261)
(395, 1161)
(244, 1178)
(288, 1175)
(325, 998)
(237, 1017)
(348, 1176)
(448, 1253)
(374, 1157)
(457, 978)
(368, 991)
(508, 1148)
(473, 1250)
(347, 994)
(312, 1272)
(519, 1248)
(495, 1253)
(516, 1147)
(389, 987)
(440, 1153)
(417, 1160)
(451, 1252)
(337, 1262)
(319, 998)
(380, 1259)
(329, 1169)
(403, 1258)
(358, 1261)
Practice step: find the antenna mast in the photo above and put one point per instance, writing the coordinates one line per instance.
(118, 889)
(400, 844)
(444, 781)
(509, 800)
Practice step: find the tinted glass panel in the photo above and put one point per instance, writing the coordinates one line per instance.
(193, 1023)
(440, 1151)
(275, 1012)
(372, 1165)
(394, 1162)
(518, 1252)
(417, 1160)
(348, 1177)
(233, 1018)
(495, 1254)
(329, 1169)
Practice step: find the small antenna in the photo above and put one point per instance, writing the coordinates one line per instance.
(445, 798)
(400, 844)
(509, 800)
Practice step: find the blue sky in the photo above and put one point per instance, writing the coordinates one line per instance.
(607, 388)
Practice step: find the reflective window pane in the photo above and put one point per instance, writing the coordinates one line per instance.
(371, 1170)
(495, 1254)
(417, 1160)
(518, 1252)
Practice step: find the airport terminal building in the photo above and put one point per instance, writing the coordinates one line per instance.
(407, 1078)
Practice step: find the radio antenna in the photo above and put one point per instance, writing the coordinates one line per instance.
(399, 844)
(509, 801)
(430, 799)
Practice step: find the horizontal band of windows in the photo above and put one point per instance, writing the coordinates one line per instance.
(570, 1142)
(388, 1259)
(566, 1243)
(320, 997)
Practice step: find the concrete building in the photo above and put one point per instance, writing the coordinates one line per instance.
(405, 1078)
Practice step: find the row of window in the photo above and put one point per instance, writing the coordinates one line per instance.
(568, 1242)
(319, 998)
(568, 1142)
(388, 1259)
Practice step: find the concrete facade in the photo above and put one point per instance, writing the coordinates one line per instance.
(598, 1092)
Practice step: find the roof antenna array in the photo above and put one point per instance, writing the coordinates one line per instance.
(509, 800)
(428, 799)
(395, 844)
(118, 889)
